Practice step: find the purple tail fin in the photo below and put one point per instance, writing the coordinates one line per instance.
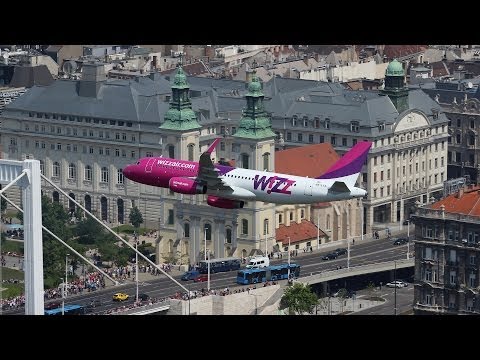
(350, 163)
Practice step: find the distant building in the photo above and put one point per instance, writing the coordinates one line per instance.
(447, 255)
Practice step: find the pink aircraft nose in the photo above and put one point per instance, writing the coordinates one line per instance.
(128, 171)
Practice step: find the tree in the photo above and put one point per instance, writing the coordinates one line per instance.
(88, 230)
(299, 299)
(136, 217)
(4, 205)
(174, 258)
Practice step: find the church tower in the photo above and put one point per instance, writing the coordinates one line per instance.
(254, 140)
(180, 129)
(395, 86)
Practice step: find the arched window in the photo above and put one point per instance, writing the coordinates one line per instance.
(244, 226)
(104, 208)
(71, 204)
(266, 161)
(56, 169)
(104, 174)
(245, 160)
(120, 177)
(171, 151)
(170, 246)
(191, 148)
(186, 230)
(207, 230)
(328, 222)
(72, 171)
(265, 227)
(88, 173)
(88, 203)
(120, 211)
(42, 167)
(228, 236)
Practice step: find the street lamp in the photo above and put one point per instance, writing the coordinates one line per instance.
(208, 262)
(288, 258)
(136, 269)
(63, 297)
(408, 239)
(66, 270)
(348, 253)
(318, 229)
(395, 288)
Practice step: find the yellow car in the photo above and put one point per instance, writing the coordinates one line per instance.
(120, 297)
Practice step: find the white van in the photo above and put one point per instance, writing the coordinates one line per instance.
(258, 262)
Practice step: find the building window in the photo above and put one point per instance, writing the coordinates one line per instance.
(120, 178)
(310, 138)
(453, 277)
(344, 141)
(245, 160)
(266, 161)
(305, 121)
(300, 137)
(171, 151)
(381, 126)
(280, 218)
(322, 139)
(104, 175)
(327, 123)
(294, 120)
(333, 140)
(244, 226)
(265, 227)
(228, 236)
(72, 171)
(186, 230)
(207, 231)
(170, 217)
(88, 173)
(42, 167)
(56, 169)
(355, 126)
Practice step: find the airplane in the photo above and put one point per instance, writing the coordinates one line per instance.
(229, 187)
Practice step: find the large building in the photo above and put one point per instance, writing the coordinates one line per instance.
(447, 253)
(408, 159)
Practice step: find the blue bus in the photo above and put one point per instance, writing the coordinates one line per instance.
(69, 310)
(219, 265)
(269, 273)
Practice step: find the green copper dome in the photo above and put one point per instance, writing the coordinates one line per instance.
(180, 79)
(394, 69)
(254, 87)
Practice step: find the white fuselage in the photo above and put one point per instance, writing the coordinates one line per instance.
(282, 188)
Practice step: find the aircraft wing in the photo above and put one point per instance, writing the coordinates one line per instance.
(207, 172)
(339, 186)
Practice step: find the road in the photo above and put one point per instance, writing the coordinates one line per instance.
(360, 254)
(404, 302)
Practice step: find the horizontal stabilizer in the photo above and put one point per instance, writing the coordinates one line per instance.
(339, 186)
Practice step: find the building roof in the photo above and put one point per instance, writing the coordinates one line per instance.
(306, 230)
(466, 201)
(194, 69)
(395, 68)
(29, 76)
(397, 51)
(308, 160)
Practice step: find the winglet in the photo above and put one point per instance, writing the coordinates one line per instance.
(351, 163)
(213, 146)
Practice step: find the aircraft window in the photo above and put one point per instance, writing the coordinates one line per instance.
(138, 162)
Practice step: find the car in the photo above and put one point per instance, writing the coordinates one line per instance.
(397, 284)
(120, 296)
(400, 241)
(53, 305)
(344, 293)
(201, 278)
(340, 251)
(143, 297)
(330, 256)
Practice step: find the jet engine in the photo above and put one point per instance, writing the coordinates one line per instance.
(223, 203)
(186, 186)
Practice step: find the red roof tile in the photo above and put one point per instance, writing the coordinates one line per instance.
(306, 230)
(467, 203)
(309, 160)
(396, 51)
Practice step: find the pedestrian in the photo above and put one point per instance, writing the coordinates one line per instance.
(353, 241)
